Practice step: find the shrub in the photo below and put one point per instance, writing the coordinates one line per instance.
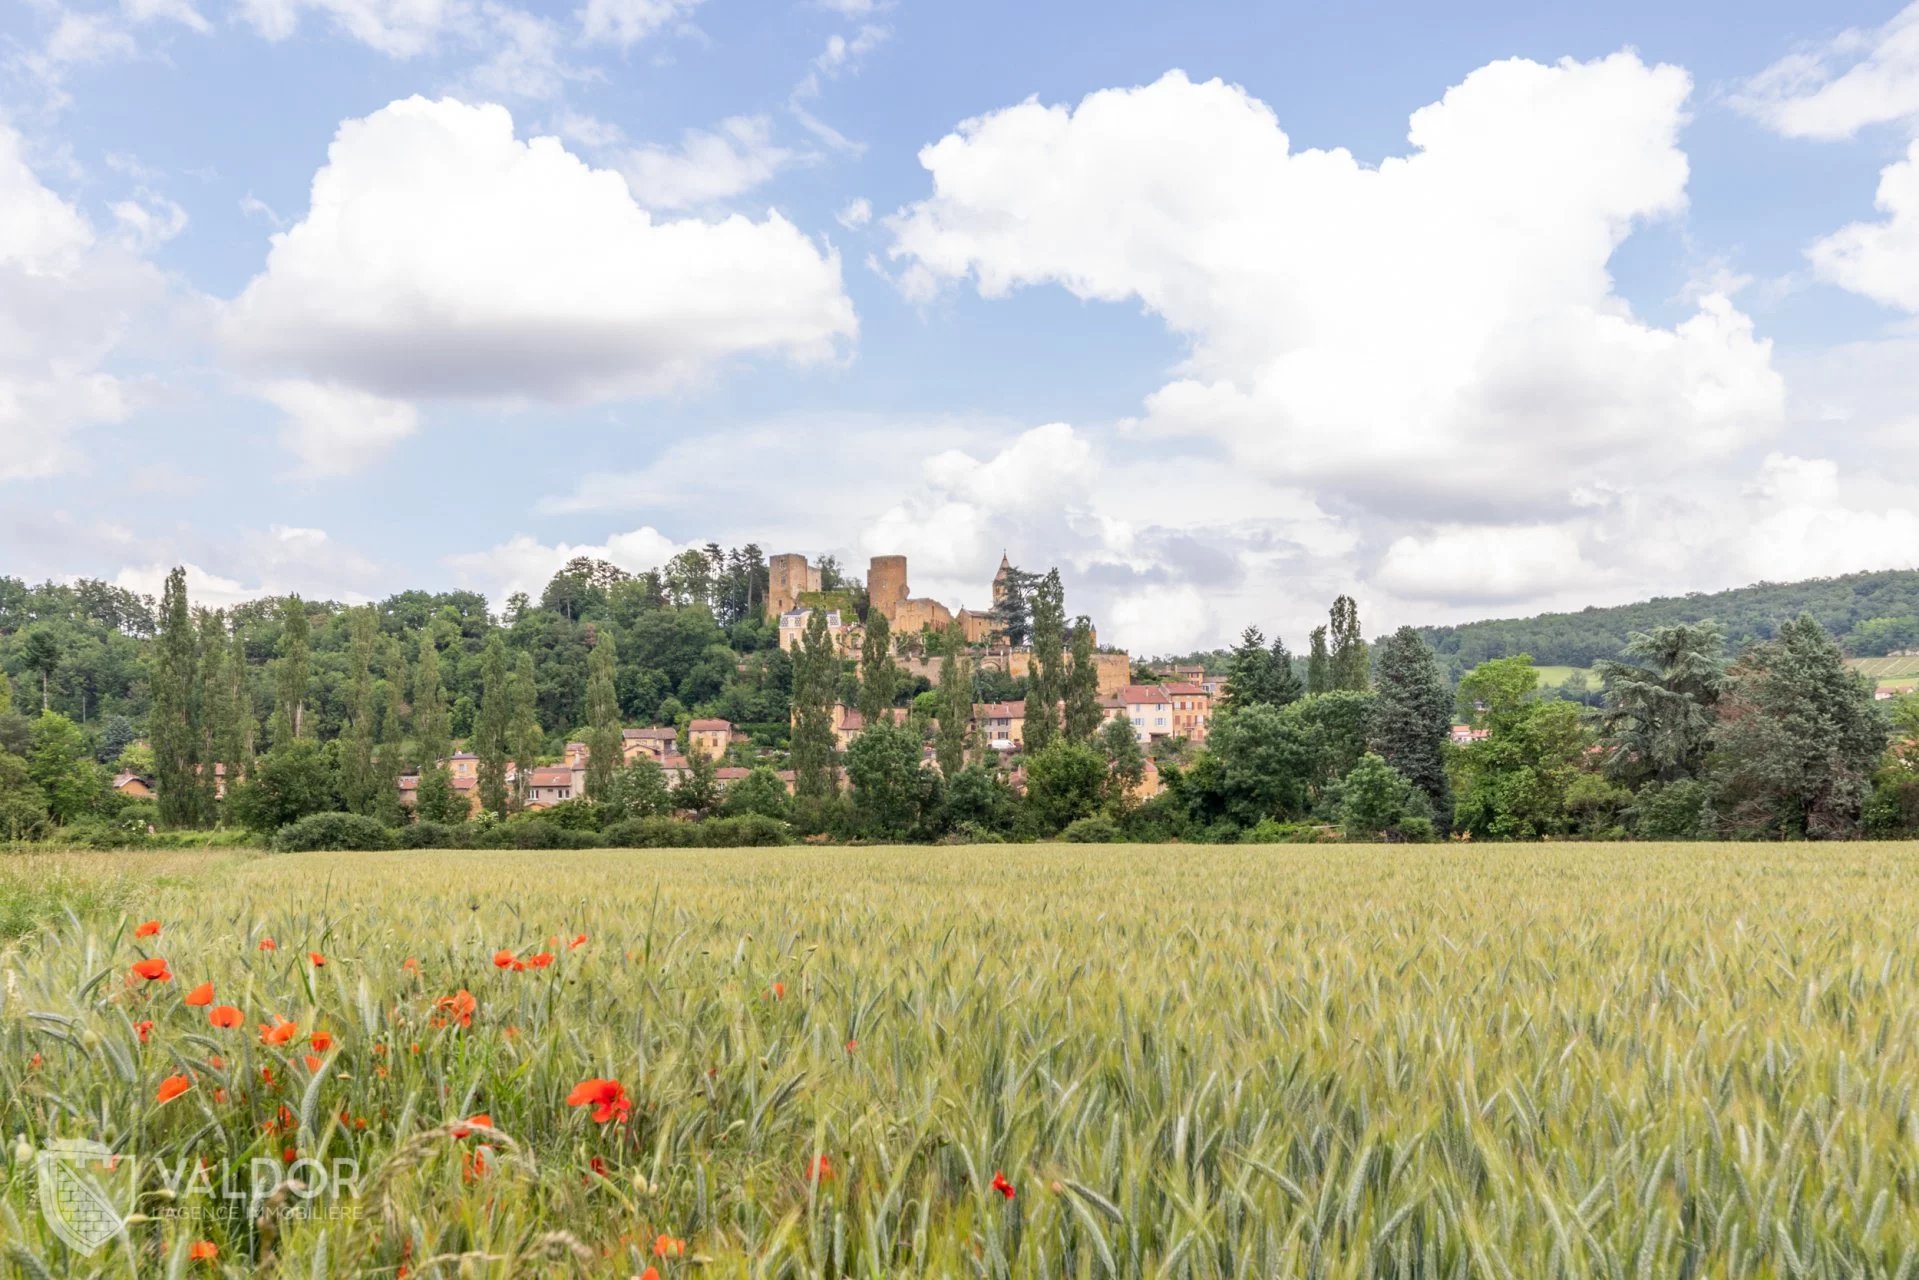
(1094, 830)
(429, 835)
(92, 833)
(346, 831)
(1272, 831)
(571, 815)
(751, 831)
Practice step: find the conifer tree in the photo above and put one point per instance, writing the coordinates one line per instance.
(359, 784)
(879, 674)
(1285, 686)
(955, 706)
(1045, 682)
(1350, 666)
(603, 741)
(1250, 681)
(1412, 716)
(815, 672)
(293, 674)
(174, 735)
(1319, 667)
(1082, 715)
(492, 725)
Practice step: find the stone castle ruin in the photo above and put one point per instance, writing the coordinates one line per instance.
(794, 591)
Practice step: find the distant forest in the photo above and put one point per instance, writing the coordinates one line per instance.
(1871, 614)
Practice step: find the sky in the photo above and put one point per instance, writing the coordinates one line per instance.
(1221, 308)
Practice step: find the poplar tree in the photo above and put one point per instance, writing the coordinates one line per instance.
(955, 706)
(1044, 684)
(603, 741)
(1082, 685)
(492, 725)
(879, 674)
(432, 720)
(359, 784)
(293, 674)
(174, 736)
(1319, 667)
(815, 672)
(1350, 666)
(523, 726)
(218, 714)
(245, 724)
(390, 762)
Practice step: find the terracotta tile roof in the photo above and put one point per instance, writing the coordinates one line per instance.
(1142, 693)
(1184, 690)
(1000, 710)
(653, 733)
(552, 777)
(710, 726)
(732, 773)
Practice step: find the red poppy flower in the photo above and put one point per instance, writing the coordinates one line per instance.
(651, 1273)
(220, 1095)
(172, 1087)
(779, 991)
(150, 929)
(322, 1041)
(217, 1062)
(607, 1098)
(473, 1164)
(143, 1029)
(539, 961)
(821, 1170)
(313, 1061)
(1001, 1185)
(460, 1006)
(154, 970)
(665, 1246)
(319, 961)
(201, 995)
(579, 940)
(597, 1165)
(280, 1032)
(268, 944)
(410, 964)
(504, 959)
(225, 1016)
(202, 1251)
(462, 1129)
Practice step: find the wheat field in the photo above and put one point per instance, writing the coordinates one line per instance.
(1497, 1061)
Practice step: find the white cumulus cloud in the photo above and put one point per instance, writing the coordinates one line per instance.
(442, 256)
(1832, 90)
(1408, 331)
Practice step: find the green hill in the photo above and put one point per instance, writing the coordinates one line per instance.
(1871, 613)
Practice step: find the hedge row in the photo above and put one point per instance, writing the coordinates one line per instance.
(353, 832)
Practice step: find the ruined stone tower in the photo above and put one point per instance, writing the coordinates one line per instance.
(886, 584)
(999, 579)
(787, 578)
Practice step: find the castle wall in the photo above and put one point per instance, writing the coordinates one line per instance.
(788, 577)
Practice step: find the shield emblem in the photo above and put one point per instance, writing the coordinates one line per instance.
(71, 1201)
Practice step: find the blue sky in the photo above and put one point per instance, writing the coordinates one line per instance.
(1621, 318)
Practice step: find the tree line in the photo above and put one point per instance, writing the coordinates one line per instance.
(277, 712)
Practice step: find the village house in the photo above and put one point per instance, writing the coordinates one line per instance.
(133, 785)
(1002, 724)
(1192, 710)
(656, 741)
(1147, 707)
(1465, 735)
(550, 785)
(709, 737)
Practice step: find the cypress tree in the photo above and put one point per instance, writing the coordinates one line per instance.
(879, 674)
(603, 742)
(1319, 669)
(492, 726)
(1082, 686)
(955, 706)
(1412, 716)
(174, 735)
(359, 784)
(293, 675)
(1250, 682)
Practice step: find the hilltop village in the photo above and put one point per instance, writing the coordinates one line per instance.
(1175, 708)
